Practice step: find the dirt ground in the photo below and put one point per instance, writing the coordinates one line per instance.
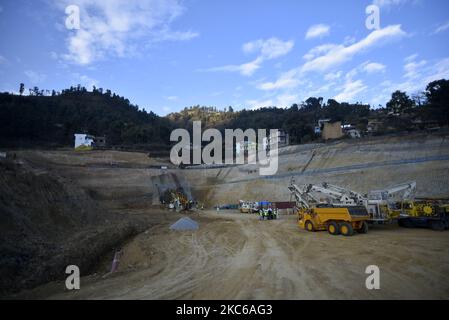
(233, 255)
(236, 256)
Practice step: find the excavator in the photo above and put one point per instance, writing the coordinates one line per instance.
(382, 205)
(342, 214)
(399, 202)
(385, 205)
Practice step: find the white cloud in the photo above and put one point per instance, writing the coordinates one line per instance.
(246, 69)
(328, 56)
(267, 50)
(321, 91)
(317, 31)
(442, 28)
(333, 76)
(35, 77)
(412, 69)
(373, 67)
(112, 28)
(411, 57)
(257, 104)
(340, 53)
(418, 76)
(320, 50)
(440, 70)
(286, 80)
(172, 98)
(286, 100)
(350, 90)
(168, 35)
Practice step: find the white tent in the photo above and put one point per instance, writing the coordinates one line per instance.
(185, 223)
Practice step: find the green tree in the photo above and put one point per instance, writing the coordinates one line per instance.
(399, 102)
(22, 88)
(437, 94)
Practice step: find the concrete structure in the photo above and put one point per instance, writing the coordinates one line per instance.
(82, 139)
(332, 130)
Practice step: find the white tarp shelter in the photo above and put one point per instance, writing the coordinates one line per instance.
(185, 223)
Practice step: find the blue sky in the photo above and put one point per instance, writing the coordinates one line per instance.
(165, 55)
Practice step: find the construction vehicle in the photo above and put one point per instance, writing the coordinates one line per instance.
(315, 214)
(244, 206)
(248, 206)
(399, 203)
(338, 195)
(382, 205)
(424, 213)
(176, 199)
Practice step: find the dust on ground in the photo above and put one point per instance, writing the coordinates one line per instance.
(236, 256)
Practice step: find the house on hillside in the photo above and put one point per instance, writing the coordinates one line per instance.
(83, 140)
(332, 130)
(89, 141)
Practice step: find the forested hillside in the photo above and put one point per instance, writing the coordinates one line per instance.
(51, 120)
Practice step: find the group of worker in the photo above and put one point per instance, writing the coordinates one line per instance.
(268, 213)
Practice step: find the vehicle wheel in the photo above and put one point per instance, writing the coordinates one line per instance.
(363, 228)
(309, 226)
(346, 229)
(333, 229)
(437, 225)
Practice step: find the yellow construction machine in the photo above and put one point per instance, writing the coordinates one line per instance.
(425, 213)
(314, 214)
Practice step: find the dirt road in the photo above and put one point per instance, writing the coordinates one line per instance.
(235, 256)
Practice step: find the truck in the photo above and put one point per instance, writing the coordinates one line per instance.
(336, 220)
(316, 215)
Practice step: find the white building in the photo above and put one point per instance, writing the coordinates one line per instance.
(82, 139)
